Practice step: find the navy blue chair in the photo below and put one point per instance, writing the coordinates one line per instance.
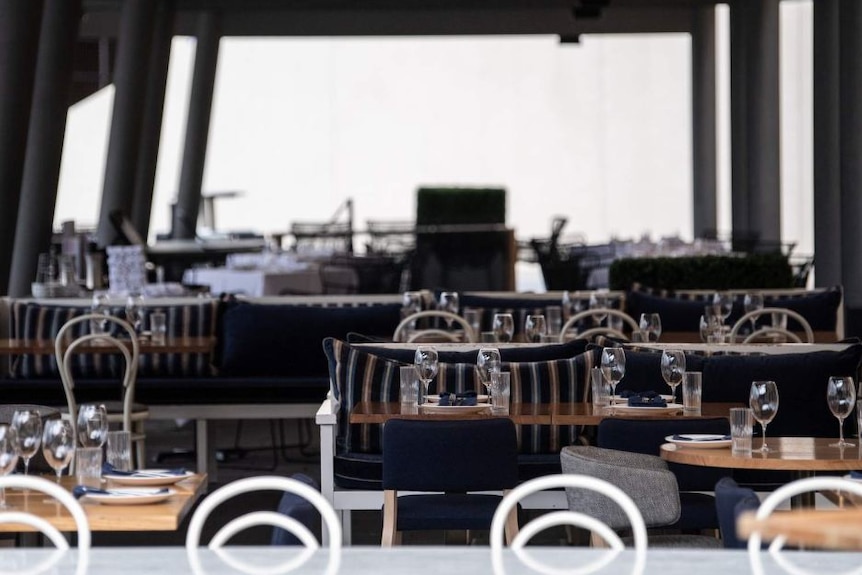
(298, 507)
(731, 501)
(454, 459)
(646, 436)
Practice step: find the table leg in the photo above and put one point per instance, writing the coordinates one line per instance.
(806, 499)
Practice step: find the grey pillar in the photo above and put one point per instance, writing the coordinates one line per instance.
(130, 76)
(19, 42)
(851, 161)
(764, 126)
(145, 174)
(738, 119)
(54, 67)
(827, 144)
(703, 121)
(197, 127)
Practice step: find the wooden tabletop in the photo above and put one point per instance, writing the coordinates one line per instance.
(825, 529)
(534, 413)
(145, 345)
(788, 453)
(165, 516)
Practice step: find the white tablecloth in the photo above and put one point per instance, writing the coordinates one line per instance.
(255, 283)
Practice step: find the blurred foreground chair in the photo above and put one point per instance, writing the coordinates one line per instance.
(129, 414)
(597, 527)
(450, 459)
(61, 495)
(645, 478)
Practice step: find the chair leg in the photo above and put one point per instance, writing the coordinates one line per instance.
(511, 528)
(390, 518)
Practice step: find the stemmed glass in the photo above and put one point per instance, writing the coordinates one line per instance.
(672, 368)
(488, 362)
(135, 311)
(504, 327)
(724, 300)
(650, 325)
(8, 456)
(763, 400)
(571, 305)
(599, 300)
(753, 301)
(58, 444)
(101, 306)
(92, 425)
(449, 302)
(613, 368)
(534, 328)
(426, 364)
(841, 397)
(28, 426)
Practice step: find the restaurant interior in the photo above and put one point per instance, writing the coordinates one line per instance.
(345, 399)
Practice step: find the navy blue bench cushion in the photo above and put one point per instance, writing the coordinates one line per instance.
(801, 379)
(643, 371)
(676, 314)
(32, 320)
(507, 354)
(284, 340)
(358, 375)
(520, 308)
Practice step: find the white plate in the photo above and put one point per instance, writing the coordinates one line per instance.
(148, 478)
(454, 408)
(130, 496)
(700, 440)
(671, 407)
(619, 399)
(433, 398)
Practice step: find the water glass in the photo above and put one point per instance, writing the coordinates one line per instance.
(500, 392)
(554, 319)
(504, 327)
(692, 388)
(473, 317)
(741, 430)
(88, 466)
(409, 388)
(601, 391)
(158, 327)
(119, 450)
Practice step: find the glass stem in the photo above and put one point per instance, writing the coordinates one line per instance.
(840, 431)
(26, 465)
(763, 444)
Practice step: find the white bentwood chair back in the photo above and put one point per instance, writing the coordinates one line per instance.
(62, 495)
(329, 522)
(411, 319)
(767, 331)
(573, 518)
(599, 330)
(773, 500)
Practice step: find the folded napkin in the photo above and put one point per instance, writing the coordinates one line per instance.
(81, 490)
(646, 399)
(626, 393)
(466, 398)
(856, 475)
(684, 437)
(108, 469)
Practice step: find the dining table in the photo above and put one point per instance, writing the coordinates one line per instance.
(188, 344)
(817, 528)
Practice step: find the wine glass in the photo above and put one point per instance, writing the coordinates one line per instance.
(449, 302)
(534, 328)
(28, 425)
(650, 325)
(763, 400)
(8, 456)
(425, 363)
(613, 368)
(488, 362)
(724, 301)
(753, 301)
(571, 304)
(672, 368)
(504, 327)
(135, 311)
(100, 306)
(58, 444)
(599, 300)
(841, 397)
(92, 425)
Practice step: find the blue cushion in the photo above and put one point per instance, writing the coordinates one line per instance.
(696, 511)
(676, 314)
(452, 511)
(270, 340)
(298, 508)
(643, 372)
(730, 501)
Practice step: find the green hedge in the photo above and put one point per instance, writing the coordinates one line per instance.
(452, 206)
(753, 271)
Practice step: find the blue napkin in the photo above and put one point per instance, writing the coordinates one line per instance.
(626, 393)
(108, 469)
(466, 398)
(679, 437)
(646, 399)
(856, 474)
(81, 490)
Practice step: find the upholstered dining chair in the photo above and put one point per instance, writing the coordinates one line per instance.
(405, 332)
(286, 485)
(767, 333)
(731, 500)
(594, 314)
(645, 478)
(127, 412)
(574, 518)
(449, 461)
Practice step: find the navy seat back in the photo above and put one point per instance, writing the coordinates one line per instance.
(451, 456)
(299, 508)
(731, 501)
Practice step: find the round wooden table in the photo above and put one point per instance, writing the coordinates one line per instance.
(803, 456)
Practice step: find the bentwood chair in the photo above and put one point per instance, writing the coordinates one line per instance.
(593, 315)
(129, 414)
(574, 518)
(769, 333)
(405, 331)
(287, 485)
(449, 461)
